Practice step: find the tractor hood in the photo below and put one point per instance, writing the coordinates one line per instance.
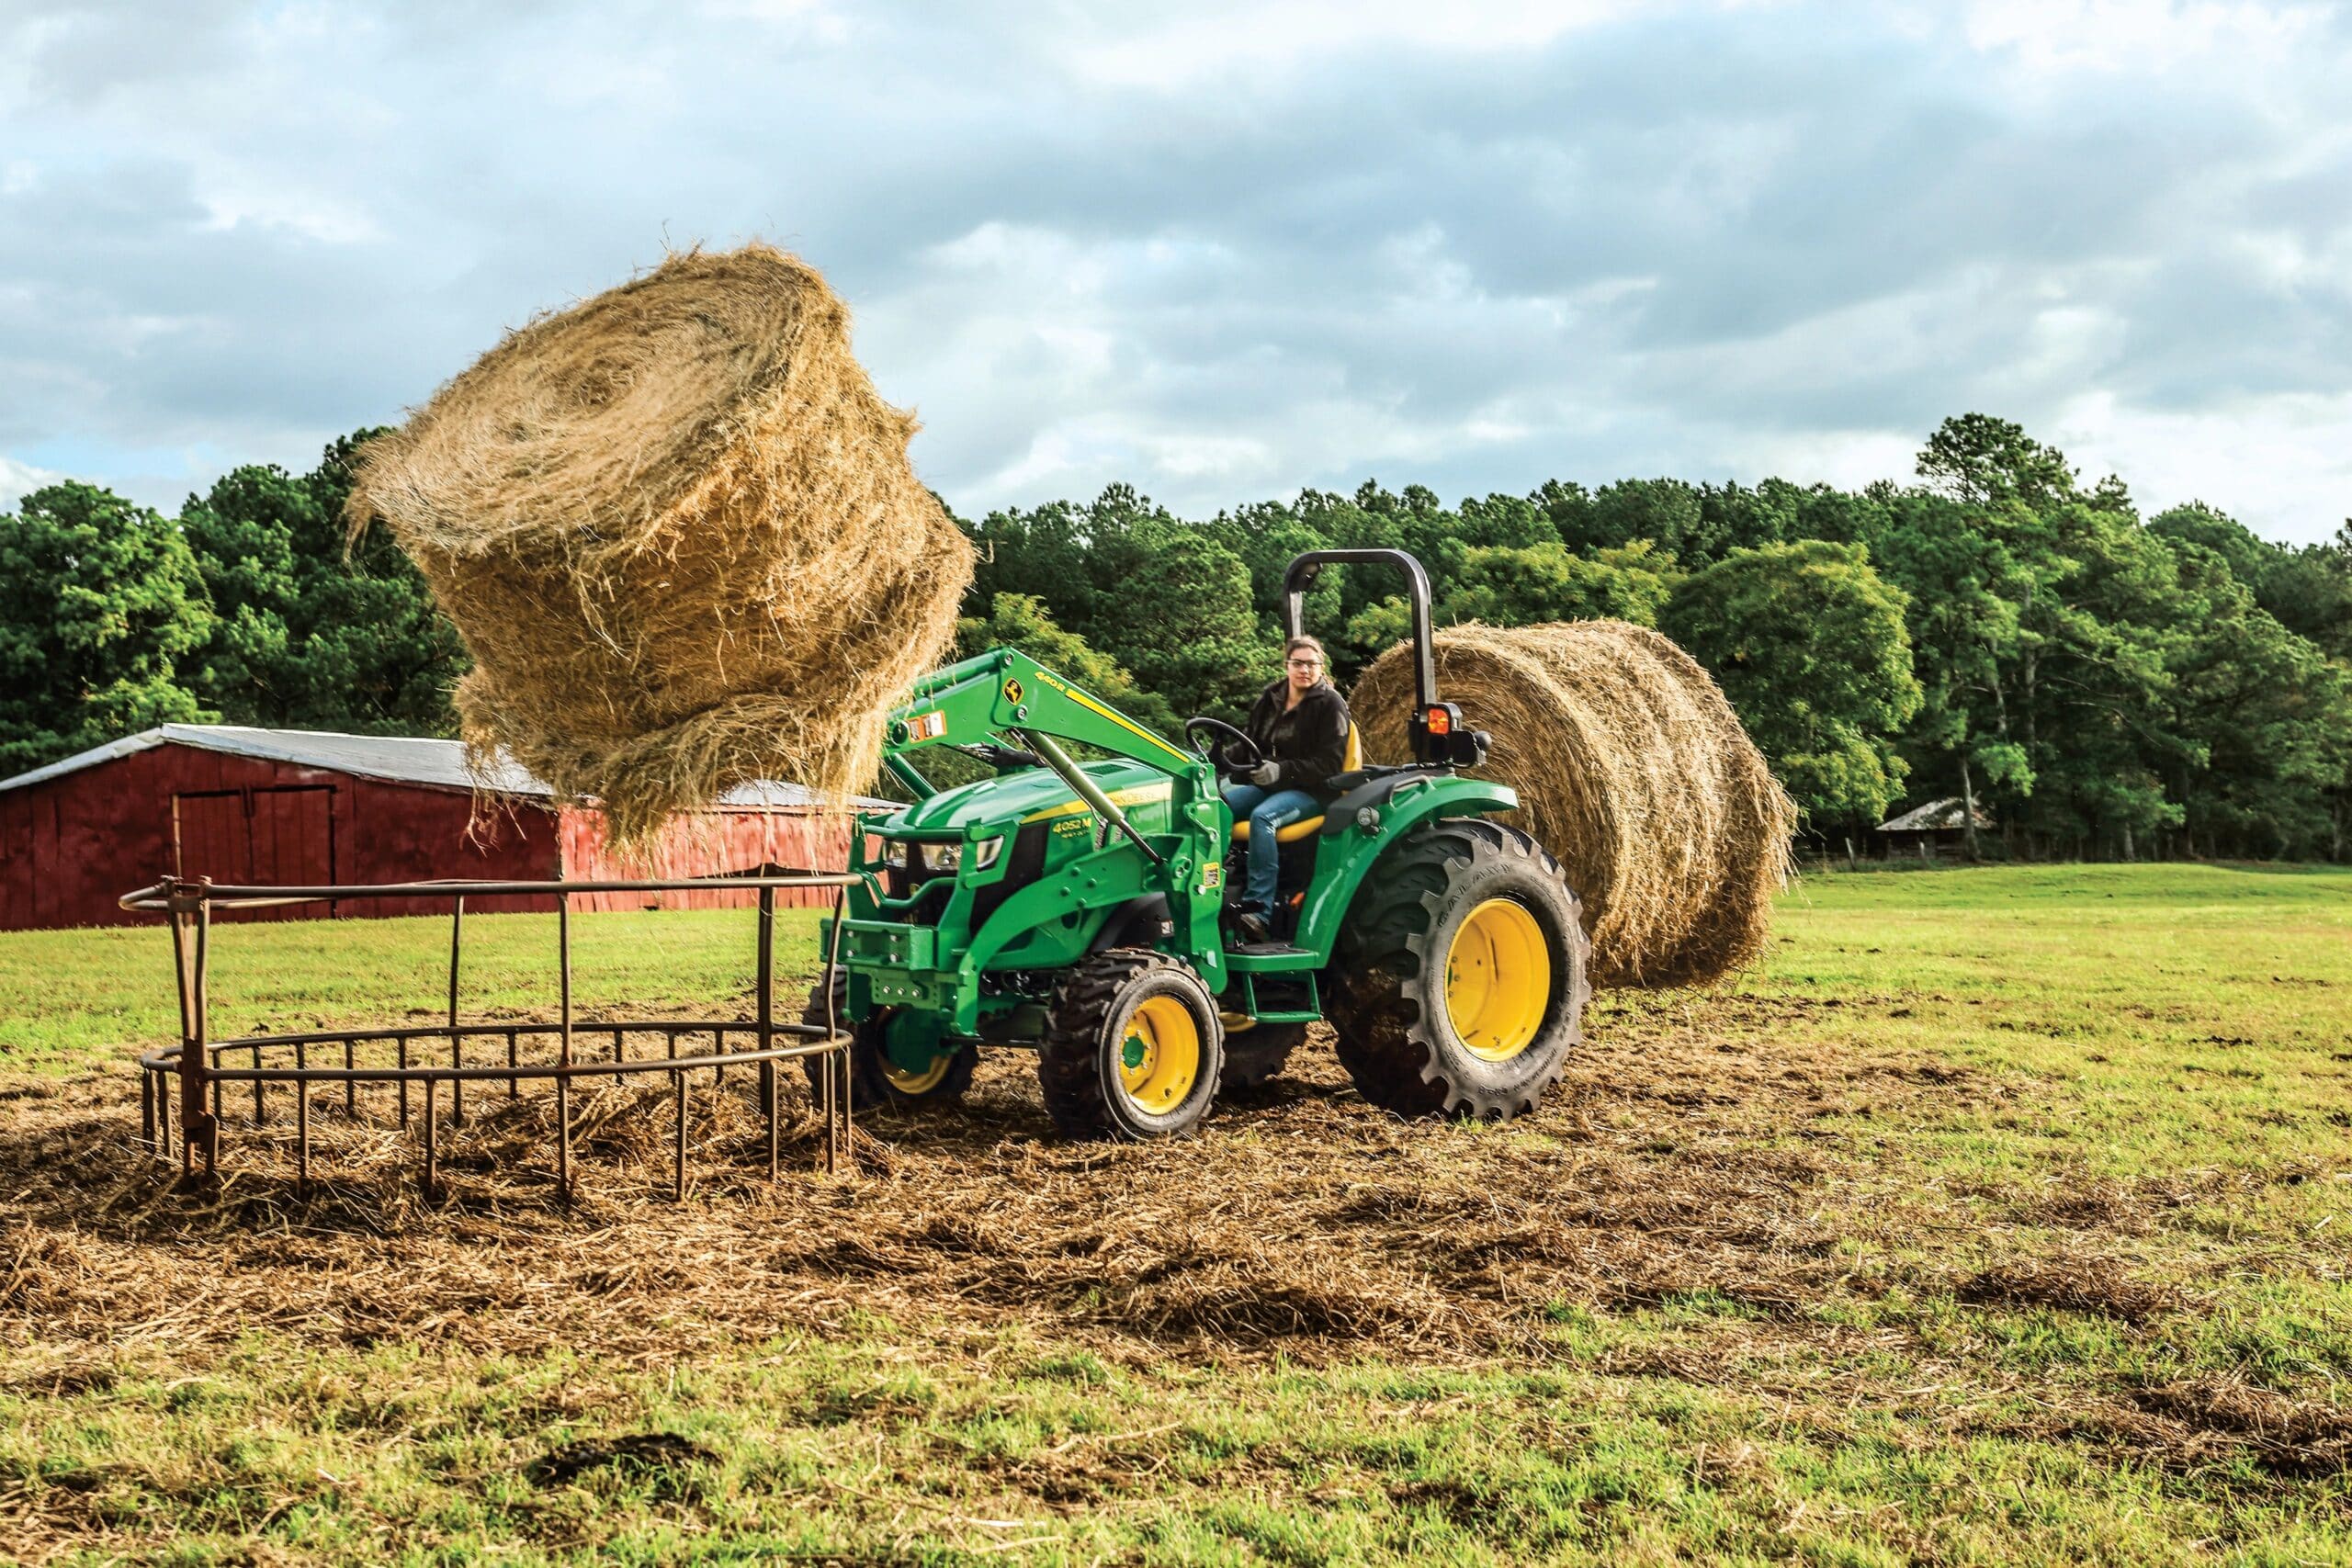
(1031, 796)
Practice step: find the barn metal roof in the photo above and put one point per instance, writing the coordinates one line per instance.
(1933, 817)
(402, 758)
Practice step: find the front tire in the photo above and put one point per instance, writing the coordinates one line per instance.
(874, 1081)
(1460, 982)
(1132, 1047)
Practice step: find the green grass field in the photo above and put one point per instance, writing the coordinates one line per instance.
(2001, 1216)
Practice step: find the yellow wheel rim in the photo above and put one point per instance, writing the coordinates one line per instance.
(922, 1082)
(1159, 1054)
(1498, 980)
(910, 1081)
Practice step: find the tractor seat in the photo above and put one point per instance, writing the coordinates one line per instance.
(1292, 832)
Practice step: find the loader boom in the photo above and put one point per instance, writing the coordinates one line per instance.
(1004, 692)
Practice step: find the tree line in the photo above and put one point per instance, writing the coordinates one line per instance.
(2099, 684)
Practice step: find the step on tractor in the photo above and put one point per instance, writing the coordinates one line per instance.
(1077, 908)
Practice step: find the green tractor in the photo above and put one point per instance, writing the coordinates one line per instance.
(1074, 909)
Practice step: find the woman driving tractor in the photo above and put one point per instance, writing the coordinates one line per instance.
(1299, 725)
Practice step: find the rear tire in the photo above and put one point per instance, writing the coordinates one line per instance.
(1459, 979)
(1133, 1046)
(875, 1082)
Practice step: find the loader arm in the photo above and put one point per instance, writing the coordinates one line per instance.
(1005, 692)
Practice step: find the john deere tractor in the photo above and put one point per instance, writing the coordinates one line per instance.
(1073, 909)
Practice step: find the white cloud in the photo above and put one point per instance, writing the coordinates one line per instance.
(1229, 249)
(1208, 41)
(2283, 457)
(20, 479)
(2119, 37)
(813, 19)
(1847, 459)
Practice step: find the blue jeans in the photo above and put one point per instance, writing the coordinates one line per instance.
(1267, 811)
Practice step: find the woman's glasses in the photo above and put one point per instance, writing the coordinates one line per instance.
(1307, 664)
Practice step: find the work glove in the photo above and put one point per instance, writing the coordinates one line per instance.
(1265, 774)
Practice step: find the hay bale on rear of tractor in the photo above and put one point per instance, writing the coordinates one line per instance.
(678, 530)
(1631, 767)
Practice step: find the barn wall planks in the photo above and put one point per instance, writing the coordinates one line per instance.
(72, 846)
(724, 843)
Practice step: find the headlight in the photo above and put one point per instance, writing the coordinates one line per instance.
(946, 859)
(894, 853)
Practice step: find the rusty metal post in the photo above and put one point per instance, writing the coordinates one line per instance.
(147, 1109)
(204, 1033)
(563, 1048)
(431, 1148)
(456, 940)
(258, 1117)
(191, 928)
(456, 1049)
(838, 1093)
(767, 1018)
(302, 1120)
(678, 1153)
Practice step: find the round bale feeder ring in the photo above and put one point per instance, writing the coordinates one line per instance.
(404, 1077)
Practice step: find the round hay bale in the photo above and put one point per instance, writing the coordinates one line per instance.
(1631, 767)
(677, 529)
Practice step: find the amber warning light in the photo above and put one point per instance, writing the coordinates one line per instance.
(1440, 721)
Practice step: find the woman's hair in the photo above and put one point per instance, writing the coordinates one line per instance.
(1295, 644)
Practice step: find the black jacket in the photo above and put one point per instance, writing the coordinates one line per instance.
(1308, 742)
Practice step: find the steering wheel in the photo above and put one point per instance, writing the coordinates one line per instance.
(1241, 752)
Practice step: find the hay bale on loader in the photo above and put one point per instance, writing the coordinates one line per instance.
(1631, 769)
(678, 531)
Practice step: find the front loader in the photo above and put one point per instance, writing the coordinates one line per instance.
(1074, 908)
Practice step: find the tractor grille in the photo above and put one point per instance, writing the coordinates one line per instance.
(1027, 864)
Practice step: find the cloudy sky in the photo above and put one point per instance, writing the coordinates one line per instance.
(1223, 251)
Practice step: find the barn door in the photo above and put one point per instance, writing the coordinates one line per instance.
(266, 837)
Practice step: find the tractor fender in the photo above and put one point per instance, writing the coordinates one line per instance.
(1339, 817)
(1330, 896)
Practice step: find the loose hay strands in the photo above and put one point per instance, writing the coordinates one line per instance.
(1308, 1231)
(1631, 769)
(1220, 1248)
(678, 531)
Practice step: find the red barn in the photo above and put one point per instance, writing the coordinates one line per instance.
(291, 807)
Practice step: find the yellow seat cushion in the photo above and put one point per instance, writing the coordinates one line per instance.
(1292, 832)
(1283, 834)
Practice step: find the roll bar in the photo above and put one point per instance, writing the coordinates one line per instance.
(1444, 741)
